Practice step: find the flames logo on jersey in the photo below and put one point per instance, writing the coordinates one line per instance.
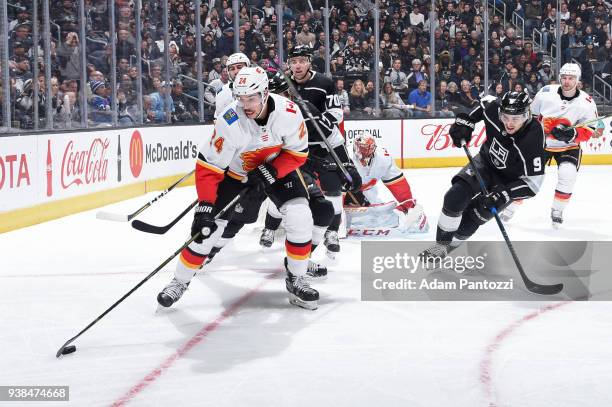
(251, 159)
(550, 123)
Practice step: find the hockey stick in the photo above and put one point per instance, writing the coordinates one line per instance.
(62, 350)
(534, 287)
(298, 99)
(160, 230)
(126, 218)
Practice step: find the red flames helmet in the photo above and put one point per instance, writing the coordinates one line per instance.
(364, 147)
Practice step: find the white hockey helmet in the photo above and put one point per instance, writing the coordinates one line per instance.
(364, 147)
(234, 59)
(251, 81)
(571, 69)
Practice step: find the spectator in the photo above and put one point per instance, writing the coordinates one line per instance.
(342, 96)
(442, 103)
(545, 74)
(161, 102)
(420, 99)
(397, 78)
(100, 104)
(466, 98)
(185, 109)
(215, 87)
(605, 53)
(215, 73)
(533, 84)
(392, 105)
(358, 100)
(68, 53)
(305, 37)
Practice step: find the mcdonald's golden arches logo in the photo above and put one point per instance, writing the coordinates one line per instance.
(136, 153)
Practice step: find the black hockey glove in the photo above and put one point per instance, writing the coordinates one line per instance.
(564, 133)
(355, 185)
(264, 174)
(497, 199)
(462, 129)
(321, 165)
(203, 221)
(356, 196)
(326, 123)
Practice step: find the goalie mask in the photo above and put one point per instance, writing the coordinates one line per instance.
(364, 147)
(514, 111)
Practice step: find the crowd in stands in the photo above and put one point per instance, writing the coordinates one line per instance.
(405, 54)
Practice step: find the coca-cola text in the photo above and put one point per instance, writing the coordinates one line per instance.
(86, 166)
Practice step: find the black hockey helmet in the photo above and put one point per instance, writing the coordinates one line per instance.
(277, 83)
(515, 103)
(300, 51)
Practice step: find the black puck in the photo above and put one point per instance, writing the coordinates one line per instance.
(68, 350)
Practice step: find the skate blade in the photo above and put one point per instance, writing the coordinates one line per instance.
(331, 255)
(316, 278)
(310, 305)
(556, 225)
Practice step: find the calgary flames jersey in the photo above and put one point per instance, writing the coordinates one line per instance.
(553, 109)
(382, 167)
(240, 144)
(223, 99)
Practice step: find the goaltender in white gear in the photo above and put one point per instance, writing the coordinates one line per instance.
(376, 216)
(235, 63)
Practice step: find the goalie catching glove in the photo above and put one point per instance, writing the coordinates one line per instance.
(203, 221)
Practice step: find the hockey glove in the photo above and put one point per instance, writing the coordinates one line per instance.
(325, 123)
(355, 185)
(203, 221)
(462, 129)
(356, 196)
(264, 174)
(321, 165)
(498, 198)
(564, 133)
(405, 206)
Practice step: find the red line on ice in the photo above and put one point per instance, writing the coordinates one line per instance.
(194, 341)
(487, 361)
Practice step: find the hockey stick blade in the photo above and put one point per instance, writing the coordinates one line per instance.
(160, 230)
(536, 288)
(115, 217)
(126, 218)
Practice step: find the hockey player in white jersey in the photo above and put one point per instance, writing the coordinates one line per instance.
(260, 139)
(559, 108)
(375, 164)
(235, 63)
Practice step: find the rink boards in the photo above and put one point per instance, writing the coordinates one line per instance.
(46, 176)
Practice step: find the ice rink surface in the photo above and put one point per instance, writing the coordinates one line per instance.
(233, 339)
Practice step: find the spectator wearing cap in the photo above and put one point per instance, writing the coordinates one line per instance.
(24, 15)
(416, 75)
(546, 75)
(100, 104)
(19, 50)
(225, 44)
(420, 99)
(215, 72)
(159, 101)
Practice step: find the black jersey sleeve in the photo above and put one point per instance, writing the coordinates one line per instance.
(333, 108)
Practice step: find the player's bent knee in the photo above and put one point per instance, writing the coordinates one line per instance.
(457, 198)
(298, 220)
(322, 211)
(567, 174)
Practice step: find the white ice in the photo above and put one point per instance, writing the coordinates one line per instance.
(214, 349)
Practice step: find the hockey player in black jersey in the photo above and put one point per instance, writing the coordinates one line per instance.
(318, 89)
(511, 162)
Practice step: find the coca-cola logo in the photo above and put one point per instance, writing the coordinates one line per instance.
(86, 166)
(439, 139)
(136, 153)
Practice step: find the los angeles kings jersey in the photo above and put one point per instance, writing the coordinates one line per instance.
(553, 109)
(240, 144)
(319, 90)
(519, 158)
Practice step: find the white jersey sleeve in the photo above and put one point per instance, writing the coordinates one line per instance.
(224, 99)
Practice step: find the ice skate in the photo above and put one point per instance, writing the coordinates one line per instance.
(267, 238)
(300, 292)
(557, 218)
(316, 270)
(433, 256)
(171, 293)
(332, 244)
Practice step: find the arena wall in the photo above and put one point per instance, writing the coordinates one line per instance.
(47, 176)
